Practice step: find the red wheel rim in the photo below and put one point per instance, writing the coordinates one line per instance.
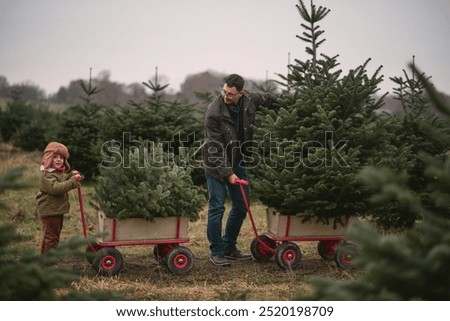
(108, 262)
(165, 249)
(347, 258)
(263, 249)
(330, 247)
(180, 261)
(289, 256)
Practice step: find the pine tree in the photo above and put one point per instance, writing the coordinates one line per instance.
(422, 130)
(412, 265)
(171, 123)
(27, 125)
(325, 129)
(147, 183)
(79, 130)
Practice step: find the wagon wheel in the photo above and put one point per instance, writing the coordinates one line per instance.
(327, 249)
(179, 260)
(161, 250)
(345, 255)
(261, 252)
(108, 261)
(91, 251)
(288, 255)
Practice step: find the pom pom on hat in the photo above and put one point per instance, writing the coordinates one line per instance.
(50, 150)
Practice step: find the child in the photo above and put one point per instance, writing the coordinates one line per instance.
(53, 199)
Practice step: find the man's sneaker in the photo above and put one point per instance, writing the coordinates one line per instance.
(238, 255)
(219, 260)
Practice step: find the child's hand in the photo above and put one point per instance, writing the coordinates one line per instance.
(77, 175)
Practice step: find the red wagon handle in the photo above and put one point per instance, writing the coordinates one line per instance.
(83, 216)
(241, 183)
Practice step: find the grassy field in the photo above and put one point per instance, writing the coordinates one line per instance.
(142, 277)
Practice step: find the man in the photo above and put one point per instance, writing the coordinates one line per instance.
(228, 130)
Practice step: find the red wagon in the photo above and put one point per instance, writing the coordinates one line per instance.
(284, 230)
(164, 233)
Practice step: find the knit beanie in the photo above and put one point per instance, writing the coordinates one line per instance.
(50, 150)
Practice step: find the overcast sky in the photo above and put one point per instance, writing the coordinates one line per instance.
(51, 42)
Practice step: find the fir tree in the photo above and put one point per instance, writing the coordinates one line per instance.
(27, 125)
(79, 130)
(423, 131)
(147, 183)
(325, 129)
(171, 123)
(418, 130)
(412, 265)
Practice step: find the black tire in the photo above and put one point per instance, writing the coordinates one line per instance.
(108, 261)
(161, 250)
(91, 251)
(327, 249)
(345, 254)
(288, 255)
(259, 251)
(179, 260)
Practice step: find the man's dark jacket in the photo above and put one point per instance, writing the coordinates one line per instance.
(222, 135)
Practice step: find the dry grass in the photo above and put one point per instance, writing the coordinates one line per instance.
(142, 278)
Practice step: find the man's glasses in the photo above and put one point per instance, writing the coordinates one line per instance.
(226, 94)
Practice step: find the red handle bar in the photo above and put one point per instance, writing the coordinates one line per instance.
(241, 181)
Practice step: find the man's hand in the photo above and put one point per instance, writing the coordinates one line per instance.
(232, 179)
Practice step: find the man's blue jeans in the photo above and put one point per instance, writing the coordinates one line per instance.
(219, 245)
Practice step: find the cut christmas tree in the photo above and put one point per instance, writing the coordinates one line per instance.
(147, 184)
(325, 129)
